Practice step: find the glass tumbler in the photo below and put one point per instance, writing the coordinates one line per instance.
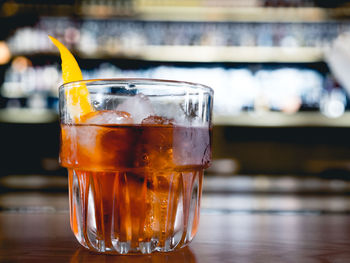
(136, 162)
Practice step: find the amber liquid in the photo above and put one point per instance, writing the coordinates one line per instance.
(134, 188)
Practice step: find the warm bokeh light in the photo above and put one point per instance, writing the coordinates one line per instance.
(20, 63)
(5, 53)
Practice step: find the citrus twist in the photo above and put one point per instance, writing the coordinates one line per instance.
(77, 95)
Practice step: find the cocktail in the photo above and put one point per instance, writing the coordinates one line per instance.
(135, 150)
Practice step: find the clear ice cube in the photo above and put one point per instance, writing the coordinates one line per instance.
(109, 117)
(90, 138)
(139, 106)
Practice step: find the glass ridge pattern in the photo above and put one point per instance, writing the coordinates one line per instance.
(107, 217)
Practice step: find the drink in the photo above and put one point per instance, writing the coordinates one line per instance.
(142, 183)
(135, 163)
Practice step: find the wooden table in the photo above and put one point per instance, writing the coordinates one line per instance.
(45, 236)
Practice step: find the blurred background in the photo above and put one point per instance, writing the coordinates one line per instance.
(278, 68)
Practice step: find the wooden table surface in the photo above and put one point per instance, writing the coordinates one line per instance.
(45, 236)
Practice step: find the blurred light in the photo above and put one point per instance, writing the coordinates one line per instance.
(333, 105)
(5, 53)
(9, 8)
(289, 41)
(224, 166)
(236, 90)
(262, 183)
(338, 185)
(286, 184)
(21, 63)
(71, 35)
(335, 109)
(292, 105)
(37, 101)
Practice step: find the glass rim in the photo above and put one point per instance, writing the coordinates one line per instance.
(142, 81)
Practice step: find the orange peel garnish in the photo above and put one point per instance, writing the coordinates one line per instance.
(77, 95)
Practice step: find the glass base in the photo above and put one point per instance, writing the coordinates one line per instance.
(134, 212)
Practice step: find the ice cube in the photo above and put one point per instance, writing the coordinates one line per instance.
(108, 117)
(88, 136)
(102, 144)
(157, 120)
(139, 106)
